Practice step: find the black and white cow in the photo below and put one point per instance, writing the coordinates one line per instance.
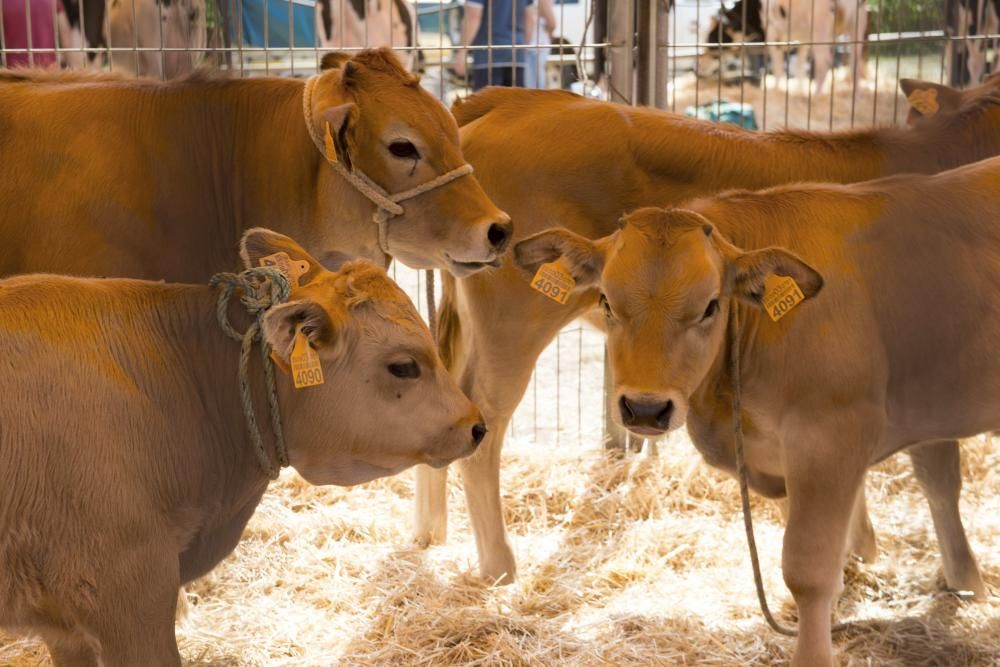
(965, 59)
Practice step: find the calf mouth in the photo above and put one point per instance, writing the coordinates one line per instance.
(462, 269)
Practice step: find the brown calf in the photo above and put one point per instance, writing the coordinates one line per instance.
(117, 177)
(895, 346)
(128, 469)
(585, 163)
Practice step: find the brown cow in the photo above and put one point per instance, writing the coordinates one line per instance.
(586, 163)
(105, 176)
(898, 349)
(128, 469)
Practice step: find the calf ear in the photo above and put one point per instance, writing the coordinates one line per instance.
(334, 60)
(747, 273)
(260, 244)
(283, 322)
(584, 258)
(341, 121)
(927, 99)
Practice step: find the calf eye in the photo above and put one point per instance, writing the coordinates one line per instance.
(408, 370)
(404, 149)
(711, 309)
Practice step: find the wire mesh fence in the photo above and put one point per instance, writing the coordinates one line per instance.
(763, 64)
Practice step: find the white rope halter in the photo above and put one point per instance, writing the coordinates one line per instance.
(386, 205)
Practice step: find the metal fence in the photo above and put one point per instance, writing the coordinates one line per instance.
(712, 59)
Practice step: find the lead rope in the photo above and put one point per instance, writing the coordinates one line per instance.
(262, 288)
(432, 319)
(741, 471)
(386, 205)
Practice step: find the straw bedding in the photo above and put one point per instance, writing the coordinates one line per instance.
(623, 561)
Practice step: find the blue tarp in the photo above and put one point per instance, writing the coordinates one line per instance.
(252, 23)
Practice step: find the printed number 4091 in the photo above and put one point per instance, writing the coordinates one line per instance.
(551, 289)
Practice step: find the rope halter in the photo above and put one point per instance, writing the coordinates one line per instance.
(386, 205)
(262, 288)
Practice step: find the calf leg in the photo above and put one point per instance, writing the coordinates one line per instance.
(862, 542)
(491, 333)
(822, 493)
(136, 604)
(822, 60)
(862, 536)
(938, 469)
(71, 651)
(431, 508)
(481, 479)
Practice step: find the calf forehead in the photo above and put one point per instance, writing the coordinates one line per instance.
(661, 266)
(360, 287)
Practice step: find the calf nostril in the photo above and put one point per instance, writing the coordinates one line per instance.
(663, 416)
(479, 432)
(628, 416)
(498, 235)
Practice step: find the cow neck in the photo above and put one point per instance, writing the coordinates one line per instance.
(940, 144)
(387, 205)
(218, 465)
(271, 182)
(261, 289)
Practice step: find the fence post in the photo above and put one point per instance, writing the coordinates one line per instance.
(621, 37)
(661, 53)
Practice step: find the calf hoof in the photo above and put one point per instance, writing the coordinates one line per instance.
(969, 584)
(430, 532)
(499, 572)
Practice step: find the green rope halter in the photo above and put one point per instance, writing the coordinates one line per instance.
(262, 288)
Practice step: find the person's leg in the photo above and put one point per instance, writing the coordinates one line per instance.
(480, 78)
(518, 76)
(531, 79)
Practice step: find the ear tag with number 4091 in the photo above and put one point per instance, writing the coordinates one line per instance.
(306, 370)
(781, 294)
(554, 281)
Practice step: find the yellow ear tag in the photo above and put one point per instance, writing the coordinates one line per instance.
(554, 281)
(924, 100)
(306, 371)
(781, 294)
(292, 268)
(331, 149)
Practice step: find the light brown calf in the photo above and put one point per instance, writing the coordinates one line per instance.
(895, 346)
(116, 177)
(127, 465)
(552, 158)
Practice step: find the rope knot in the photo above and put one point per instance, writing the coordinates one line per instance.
(262, 288)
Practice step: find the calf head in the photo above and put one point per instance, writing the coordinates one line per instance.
(935, 104)
(384, 124)
(668, 280)
(386, 401)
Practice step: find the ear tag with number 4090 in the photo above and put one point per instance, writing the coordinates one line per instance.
(306, 370)
(554, 281)
(781, 294)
